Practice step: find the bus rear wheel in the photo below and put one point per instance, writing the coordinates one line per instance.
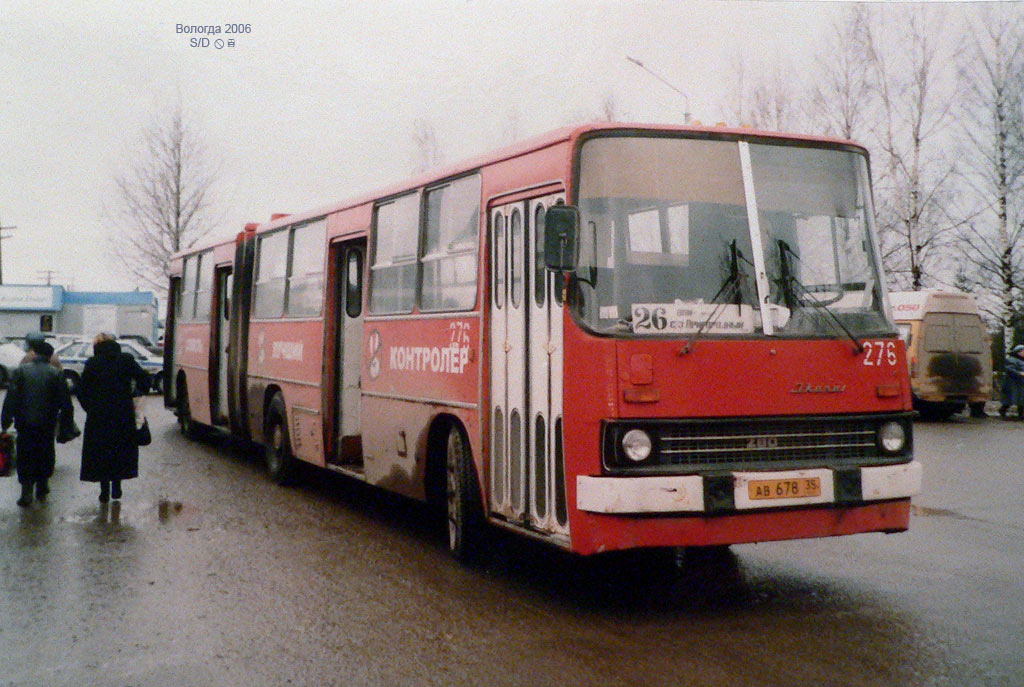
(185, 421)
(465, 519)
(278, 453)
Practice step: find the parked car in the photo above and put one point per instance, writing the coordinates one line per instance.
(10, 357)
(145, 342)
(73, 356)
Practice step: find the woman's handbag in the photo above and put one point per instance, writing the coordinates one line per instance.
(143, 437)
(6, 454)
(142, 434)
(67, 430)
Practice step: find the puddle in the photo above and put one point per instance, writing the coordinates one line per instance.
(925, 511)
(178, 514)
(165, 509)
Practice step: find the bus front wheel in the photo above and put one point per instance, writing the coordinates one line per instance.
(278, 453)
(465, 520)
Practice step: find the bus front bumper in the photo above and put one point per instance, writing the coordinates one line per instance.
(746, 491)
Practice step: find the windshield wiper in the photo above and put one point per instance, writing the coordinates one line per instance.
(792, 299)
(733, 281)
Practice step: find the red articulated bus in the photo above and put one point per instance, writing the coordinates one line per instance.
(609, 337)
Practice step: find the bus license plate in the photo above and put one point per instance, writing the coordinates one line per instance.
(802, 487)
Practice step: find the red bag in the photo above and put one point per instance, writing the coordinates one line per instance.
(6, 454)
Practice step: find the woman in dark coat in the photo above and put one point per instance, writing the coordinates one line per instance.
(110, 451)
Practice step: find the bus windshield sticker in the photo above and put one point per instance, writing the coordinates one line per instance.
(689, 318)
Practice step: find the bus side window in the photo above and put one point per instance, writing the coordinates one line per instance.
(271, 272)
(305, 287)
(354, 286)
(226, 305)
(187, 295)
(204, 288)
(393, 269)
(450, 245)
(539, 273)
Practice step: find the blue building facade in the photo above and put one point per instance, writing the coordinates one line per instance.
(53, 309)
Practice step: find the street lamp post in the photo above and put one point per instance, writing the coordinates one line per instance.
(686, 98)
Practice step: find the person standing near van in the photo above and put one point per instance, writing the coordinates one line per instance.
(1013, 382)
(110, 450)
(36, 396)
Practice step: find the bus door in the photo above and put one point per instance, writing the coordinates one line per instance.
(527, 481)
(171, 343)
(350, 257)
(221, 334)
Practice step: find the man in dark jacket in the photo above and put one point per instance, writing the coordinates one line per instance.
(1013, 382)
(36, 396)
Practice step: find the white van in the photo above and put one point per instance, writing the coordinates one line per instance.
(948, 350)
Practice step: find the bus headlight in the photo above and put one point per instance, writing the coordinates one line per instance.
(636, 444)
(892, 437)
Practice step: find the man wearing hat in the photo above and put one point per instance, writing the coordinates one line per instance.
(34, 341)
(36, 396)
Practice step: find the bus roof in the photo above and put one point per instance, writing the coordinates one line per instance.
(914, 305)
(546, 140)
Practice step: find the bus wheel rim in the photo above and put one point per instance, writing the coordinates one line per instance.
(452, 498)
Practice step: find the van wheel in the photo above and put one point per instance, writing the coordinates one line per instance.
(465, 519)
(277, 454)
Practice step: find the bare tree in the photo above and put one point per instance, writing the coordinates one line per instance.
(164, 200)
(992, 148)
(764, 101)
(840, 99)
(512, 125)
(609, 108)
(426, 148)
(914, 175)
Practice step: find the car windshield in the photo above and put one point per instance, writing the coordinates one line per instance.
(669, 244)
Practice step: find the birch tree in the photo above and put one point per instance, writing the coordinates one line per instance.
(770, 101)
(164, 200)
(914, 171)
(992, 148)
(840, 100)
(427, 152)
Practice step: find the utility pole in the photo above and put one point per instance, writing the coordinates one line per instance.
(2, 237)
(686, 98)
(48, 274)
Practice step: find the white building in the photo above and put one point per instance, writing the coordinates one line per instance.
(52, 309)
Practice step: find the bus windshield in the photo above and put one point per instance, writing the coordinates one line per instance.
(675, 233)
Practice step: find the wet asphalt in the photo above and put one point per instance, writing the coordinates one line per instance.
(205, 573)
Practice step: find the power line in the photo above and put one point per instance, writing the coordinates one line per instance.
(48, 274)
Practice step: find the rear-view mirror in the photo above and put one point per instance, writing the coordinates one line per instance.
(561, 238)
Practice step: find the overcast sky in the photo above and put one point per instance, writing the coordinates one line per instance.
(317, 103)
